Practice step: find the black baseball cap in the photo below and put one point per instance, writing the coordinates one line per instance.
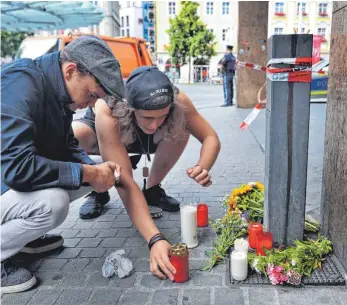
(145, 84)
(96, 56)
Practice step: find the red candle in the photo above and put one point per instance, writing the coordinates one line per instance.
(180, 260)
(255, 229)
(264, 241)
(202, 215)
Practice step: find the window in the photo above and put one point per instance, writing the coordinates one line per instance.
(209, 8)
(172, 8)
(225, 8)
(123, 32)
(302, 6)
(323, 8)
(128, 32)
(122, 23)
(127, 18)
(302, 30)
(224, 34)
(279, 7)
(322, 32)
(278, 31)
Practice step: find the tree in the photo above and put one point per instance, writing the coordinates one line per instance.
(10, 42)
(189, 37)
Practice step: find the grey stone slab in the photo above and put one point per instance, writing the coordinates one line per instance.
(52, 264)
(134, 242)
(126, 232)
(112, 242)
(20, 298)
(69, 253)
(69, 233)
(96, 279)
(151, 281)
(75, 265)
(122, 224)
(108, 233)
(316, 296)
(205, 279)
(106, 217)
(227, 296)
(141, 252)
(262, 296)
(92, 252)
(114, 211)
(142, 265)
(95, 264)
(196, 297)
(103, 225)
(71, 243)
(341, 295)
(66, 225)
(126, 282)
(123, 217)
(73, 279)
(104, 296)
(167, 296)
(196, 264)
(89, 242)
(85, 225)
(133, 297)
(87, 233)
(74, 297)
(45, 296)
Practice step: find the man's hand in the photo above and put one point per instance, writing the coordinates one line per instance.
(160, 264)
(101, 177)
(200, 175)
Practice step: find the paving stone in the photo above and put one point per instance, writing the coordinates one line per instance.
(122, 224)
(85, 225)
(204, 279)
(66, 225)
(196, 297)
(52, 264)
(112, 242)
(108, 233)
(342, 296)
(229, 296)
(71, 243)
(104, 296)
(126, 282)
(87, 233)
(94, 265)
(262, 296)
(123, 218)
(316, 296)
(196, 264)
(49, 278)
(89, 242)
(73, 279)
(96, 279)
(142, 265)
(74, 297)
(75, 265)
(140, 252)
(168, 224)
(133, 297)
(134, 242)
(93, 252)
(126, 232)
(151, 281)
(114, 211)
(69, 253)
(103, 225)
(168, 296)
(17, 298)
(70, 233)
(45, 296)
(106, 218)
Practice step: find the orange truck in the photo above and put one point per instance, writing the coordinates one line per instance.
(130, 52)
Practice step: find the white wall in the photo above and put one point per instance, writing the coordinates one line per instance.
(132, 9)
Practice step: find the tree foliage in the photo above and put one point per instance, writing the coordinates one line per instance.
(10, 42)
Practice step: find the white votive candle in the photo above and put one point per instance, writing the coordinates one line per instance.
(239, 265)
(241, 245)
(189, 226)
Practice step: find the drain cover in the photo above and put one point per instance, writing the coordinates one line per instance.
(329, 275)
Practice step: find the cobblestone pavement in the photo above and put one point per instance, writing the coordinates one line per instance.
(73, 274)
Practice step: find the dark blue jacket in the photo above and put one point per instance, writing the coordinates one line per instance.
(228, 63)
(38, 148)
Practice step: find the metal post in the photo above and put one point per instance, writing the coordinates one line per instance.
(287, 131)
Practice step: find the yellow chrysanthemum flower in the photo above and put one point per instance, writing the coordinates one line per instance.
(260, 186)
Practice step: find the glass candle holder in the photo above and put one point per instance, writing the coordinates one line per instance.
(255, 229)
(264, 241)
(202, 215)
(180, 260)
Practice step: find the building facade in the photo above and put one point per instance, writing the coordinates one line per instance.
(314, 17)
(221, 17)
(131, 19)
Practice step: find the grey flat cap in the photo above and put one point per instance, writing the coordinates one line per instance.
(97, 57)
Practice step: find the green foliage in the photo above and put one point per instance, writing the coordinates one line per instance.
(189, 36)
(10, 42)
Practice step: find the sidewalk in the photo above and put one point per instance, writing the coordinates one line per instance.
(73, 275)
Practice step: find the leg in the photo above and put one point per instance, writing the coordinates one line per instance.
(225, 88)
(86, 137)
(231, 88)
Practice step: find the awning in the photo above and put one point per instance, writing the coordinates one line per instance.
(49, 15)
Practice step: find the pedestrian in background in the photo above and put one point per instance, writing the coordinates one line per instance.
(228, 63)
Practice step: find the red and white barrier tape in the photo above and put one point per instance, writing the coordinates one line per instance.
(250, 65)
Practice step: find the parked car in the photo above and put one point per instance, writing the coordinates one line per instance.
(319, 84)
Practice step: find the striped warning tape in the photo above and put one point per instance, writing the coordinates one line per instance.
(250, 65)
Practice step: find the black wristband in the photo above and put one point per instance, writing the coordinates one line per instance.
(154, 239)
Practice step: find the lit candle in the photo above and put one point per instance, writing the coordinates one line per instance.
(241, 245)
(239, 265)
(264, 241)
(202, 214)
(255, 229)
(189, 226)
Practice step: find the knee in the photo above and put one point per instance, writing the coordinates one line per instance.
(57, 206)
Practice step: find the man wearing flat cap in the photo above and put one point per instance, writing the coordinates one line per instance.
(228, 63)
(42, 166)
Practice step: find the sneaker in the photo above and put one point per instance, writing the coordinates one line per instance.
(156, 196)
(15, 279)
(94, 206)
(45, 243)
